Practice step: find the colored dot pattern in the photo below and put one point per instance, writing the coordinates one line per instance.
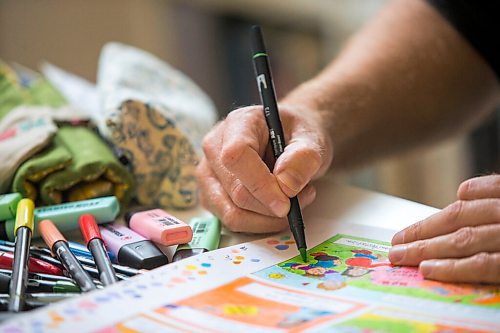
(281, 244)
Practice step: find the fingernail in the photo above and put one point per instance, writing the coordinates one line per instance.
(397, 253)
(279, 208)
(426, 267)
(290, 180)
(398, 238)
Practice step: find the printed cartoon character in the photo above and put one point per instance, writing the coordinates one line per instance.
(365, 258)
(325, 260)
(332, 281)
(310, 269)
(331, 285)
(356, 272)
(323, 266)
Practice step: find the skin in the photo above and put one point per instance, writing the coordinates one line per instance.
(405, 80)
(461, 242)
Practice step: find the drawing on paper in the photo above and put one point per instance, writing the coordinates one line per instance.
(346, 261)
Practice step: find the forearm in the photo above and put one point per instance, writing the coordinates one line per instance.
(406, 79)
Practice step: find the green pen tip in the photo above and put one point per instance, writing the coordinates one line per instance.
(303, 253)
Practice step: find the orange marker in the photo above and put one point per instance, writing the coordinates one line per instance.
(59, 246)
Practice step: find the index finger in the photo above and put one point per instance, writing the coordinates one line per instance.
(456, 216)
(480, 188)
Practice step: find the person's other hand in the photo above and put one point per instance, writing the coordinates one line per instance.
(461, 243)
(234, 177)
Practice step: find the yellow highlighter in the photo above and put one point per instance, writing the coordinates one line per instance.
(23, 230)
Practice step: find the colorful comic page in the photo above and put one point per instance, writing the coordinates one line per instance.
(347, 285)
(345, 261)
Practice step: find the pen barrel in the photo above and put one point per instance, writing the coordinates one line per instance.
(267, 94)
(20, 270)
(276, 135)
(74, 268)
(107, 274)
(296, 223)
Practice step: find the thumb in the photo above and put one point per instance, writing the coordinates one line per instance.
(302, 160)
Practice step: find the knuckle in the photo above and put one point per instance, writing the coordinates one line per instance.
(450, 269)
(233, 115)
(232, 153)
(414, 231)
(465, 188)
(239, 194)
(310, 155)
(454, 211)
(482, 263)
(208, 145)
(247, 112)
(463, 238)
(258, 188)
(420, 249)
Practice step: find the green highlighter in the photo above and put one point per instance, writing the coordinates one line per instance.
(206, 237)
(65, 216)
(8, 205)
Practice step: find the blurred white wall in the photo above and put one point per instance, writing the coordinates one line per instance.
(71, 33)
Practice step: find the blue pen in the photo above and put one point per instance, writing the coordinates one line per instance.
(81, 253)
(80, 250)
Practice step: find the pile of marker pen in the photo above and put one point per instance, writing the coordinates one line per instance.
(32, 276)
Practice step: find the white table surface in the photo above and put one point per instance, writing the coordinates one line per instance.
(343, 204)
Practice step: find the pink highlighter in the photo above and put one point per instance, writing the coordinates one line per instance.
(160, 227)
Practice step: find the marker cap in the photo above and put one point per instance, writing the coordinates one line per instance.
(160, 227)
(66, 215)
(206, 234)
(50, 233)
(143, 254)
(89, 228)
(4, 283)
(8, 204)
(257, 40)
(25, 215)
(130, 248)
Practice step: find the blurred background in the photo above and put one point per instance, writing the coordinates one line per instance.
(208, 40)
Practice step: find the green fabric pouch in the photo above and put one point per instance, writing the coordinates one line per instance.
(53, 158)
(78, 165)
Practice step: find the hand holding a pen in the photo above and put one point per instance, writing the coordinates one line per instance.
(236, 183)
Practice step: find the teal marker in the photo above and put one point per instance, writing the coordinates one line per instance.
(8, 205)
(206, 237)
(65, 216)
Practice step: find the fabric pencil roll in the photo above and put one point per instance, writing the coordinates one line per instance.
(77, 165)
